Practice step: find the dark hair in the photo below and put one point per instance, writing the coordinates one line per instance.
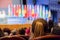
(22, 31)
(14, 33)
(40, 20)
(1, 33)
(7, 30)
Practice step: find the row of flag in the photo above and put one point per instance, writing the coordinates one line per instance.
(35, 11)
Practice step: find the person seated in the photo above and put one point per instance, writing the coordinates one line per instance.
(38, 27)
(22, 31)
(6, 34)
(27, 31)
(50, 24)
(14, 32)
(55, 30)
(1, 33)
(6, 31)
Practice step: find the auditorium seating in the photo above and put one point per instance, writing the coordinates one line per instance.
(13, 26)
(12, 38)
(48, 37)
(25, 37)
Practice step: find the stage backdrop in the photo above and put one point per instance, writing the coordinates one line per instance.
(14, 12)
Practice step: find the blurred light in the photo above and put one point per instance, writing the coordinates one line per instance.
(47, 13)
(38, 11)
(9, 10)
(41, 13)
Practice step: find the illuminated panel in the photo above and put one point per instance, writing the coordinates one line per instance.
(22, 14)
(26, 14)
(25, 9)
(47, 13)
(28, 10)
(38, 11)
(41, 13)
(15, 14)
(14, 10)
(19, 10)
(35, 11)
(9, 10)
(32, 11)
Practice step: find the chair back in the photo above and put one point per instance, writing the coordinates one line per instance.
(25, 37)
(48, 37)
(12, 38)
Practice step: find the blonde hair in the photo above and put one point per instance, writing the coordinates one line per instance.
(39, 29)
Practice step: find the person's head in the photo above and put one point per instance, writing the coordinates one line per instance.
(7, 30)
(14, 32)
(5, 34)
(27, 31)
(38, 27)
(1, 33)
(22, 31)
(0, 30)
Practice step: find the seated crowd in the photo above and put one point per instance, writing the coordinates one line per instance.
(40, 27)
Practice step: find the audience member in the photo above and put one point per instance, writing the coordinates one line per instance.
(56, 30)
(22, 31)
(6, 31)
(6, 34)
(14, 32)
(1, 33)
(50, 24)
(27, 31)
(38, 27)
(44, 24)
